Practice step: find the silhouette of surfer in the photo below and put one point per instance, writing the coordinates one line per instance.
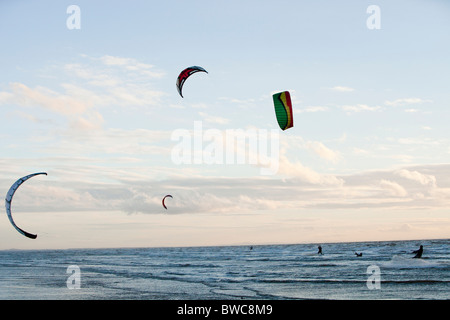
(320, 250)
(418, 252)
(358, 254)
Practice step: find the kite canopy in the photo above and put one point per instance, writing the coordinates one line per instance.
(283, 109)
(186, 73)
(8, 200)
(165, 199)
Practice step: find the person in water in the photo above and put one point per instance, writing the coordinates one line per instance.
(320, 250)
(358, 254)
(418, 252)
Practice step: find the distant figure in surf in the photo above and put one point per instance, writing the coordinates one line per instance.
(418, 252)
(358, 254)
(320, 250)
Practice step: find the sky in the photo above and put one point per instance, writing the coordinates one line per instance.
(88, 95)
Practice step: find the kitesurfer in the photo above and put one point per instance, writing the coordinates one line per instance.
(320, 250)
(418, 252)
(358, 254)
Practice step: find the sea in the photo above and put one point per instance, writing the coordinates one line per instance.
(385, 271)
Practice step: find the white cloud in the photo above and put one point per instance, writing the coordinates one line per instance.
(92, 121)
(135, 95)
(299, 171)
(424, 179)
(90, 87)
(130, 185)
(6, 97)
(359, 108)
(322, 151)
(316, 147)
(311, 109)
(241, 102)
(129, 170)
(342, 89)
(78, 109)
(393, 188)
(126, 84)
(199, 106)
(406, 101)
(115, 61)
(130, 64)
(92, 75)
(213, 119)
(360, 151)
(43, 97)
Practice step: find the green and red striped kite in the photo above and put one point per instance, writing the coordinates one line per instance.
(283, 109)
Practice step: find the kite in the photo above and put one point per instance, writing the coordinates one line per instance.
(283, 109)
(8, 201)
(186, 73)
(165, 199)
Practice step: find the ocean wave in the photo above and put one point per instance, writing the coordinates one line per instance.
(402, 262)
(269, 272)
(350, 281)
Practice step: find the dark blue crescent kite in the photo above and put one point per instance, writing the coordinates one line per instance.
(164, 205)
(186, 73)
(8, 201)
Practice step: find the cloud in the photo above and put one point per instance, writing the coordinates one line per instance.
(359, 108)
(240, 102)
(131, 186)
(130, 64)
(124, 81)
(424, 179)
(129, 169)
(92, 75)
(138, 143)
(92, 121)
(405, 227)
(316, 147)
(311, 109)
(213, 119)
(298, 171)
(93, 84)
(322, 151)
(359, 151)
(136, 95)
(393, 188)
(342, 89)
(405, 101)
(115, 61)
(6, 97)
(48, 99)
(78, 110)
